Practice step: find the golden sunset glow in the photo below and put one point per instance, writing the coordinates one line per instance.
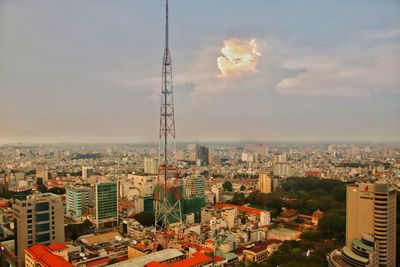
(238, 57)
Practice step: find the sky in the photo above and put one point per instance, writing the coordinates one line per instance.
(255, 70)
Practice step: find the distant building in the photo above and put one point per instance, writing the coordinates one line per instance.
(282, 169)
(180, 155)
(38, 219)
(77, 201)
(150, 165)
(264, 183)
(87, 171)
(370, 227)
(42, 171)
(260, 151)
(106, 204)
(279, 158)
(201, 154)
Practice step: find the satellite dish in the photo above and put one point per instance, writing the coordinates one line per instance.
(82, 254)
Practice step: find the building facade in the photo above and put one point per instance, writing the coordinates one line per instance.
(78, 200)
(38, 219)
(264, 183)
(106, 204)
(370, 227)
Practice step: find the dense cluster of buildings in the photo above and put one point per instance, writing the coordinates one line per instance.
(109, 186)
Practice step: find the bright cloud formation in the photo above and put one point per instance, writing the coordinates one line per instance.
(238, 57)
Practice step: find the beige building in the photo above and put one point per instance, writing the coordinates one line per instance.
(264, 183)
(39, 219)
(150, 165)
(371, 209)
(144, 183)
(370, 227)
(229, 215)
(42, 171)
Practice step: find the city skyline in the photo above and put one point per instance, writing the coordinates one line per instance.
(91, 71)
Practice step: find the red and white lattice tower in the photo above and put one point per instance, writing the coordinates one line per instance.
(168, 214)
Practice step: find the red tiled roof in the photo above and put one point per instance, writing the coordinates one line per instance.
(197, 258)
(155, 264)
(57, 246)
(41, 254)
(241, 208)
(100, 262)
(218, 258)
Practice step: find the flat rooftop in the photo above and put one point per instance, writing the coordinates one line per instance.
(159, 256)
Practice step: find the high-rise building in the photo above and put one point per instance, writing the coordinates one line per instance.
(87, 171)
(199, 154)
(78, 200)
(370, 227)
(264, 183)
(150, 165)
(106, 204)
(38, 219)
(42, 171)
(282, 169)
(194, 186)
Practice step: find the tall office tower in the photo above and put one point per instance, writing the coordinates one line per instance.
(264, 183)
(106, 204)
(42, 171)
(282, 169)
(150, 165)
(38, 219)
(194, 186)
(78, 200)
(201, 154)
(87, 171)
(370, 227)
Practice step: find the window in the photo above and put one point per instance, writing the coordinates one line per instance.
(42, 227)
(42, 217)
(42, 206)
(42, 237)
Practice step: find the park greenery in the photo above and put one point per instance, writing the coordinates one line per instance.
(73, 231)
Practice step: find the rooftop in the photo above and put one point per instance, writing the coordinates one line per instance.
(159, 256)
(196, 259)
(42, 254)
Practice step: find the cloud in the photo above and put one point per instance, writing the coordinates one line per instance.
(238, 57)
(366, 64)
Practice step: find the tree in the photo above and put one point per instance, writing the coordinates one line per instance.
(227, 186)
(145, 218)
(73, 231)
(242, 188)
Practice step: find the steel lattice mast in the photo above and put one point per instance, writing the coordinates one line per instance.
(167, 193)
